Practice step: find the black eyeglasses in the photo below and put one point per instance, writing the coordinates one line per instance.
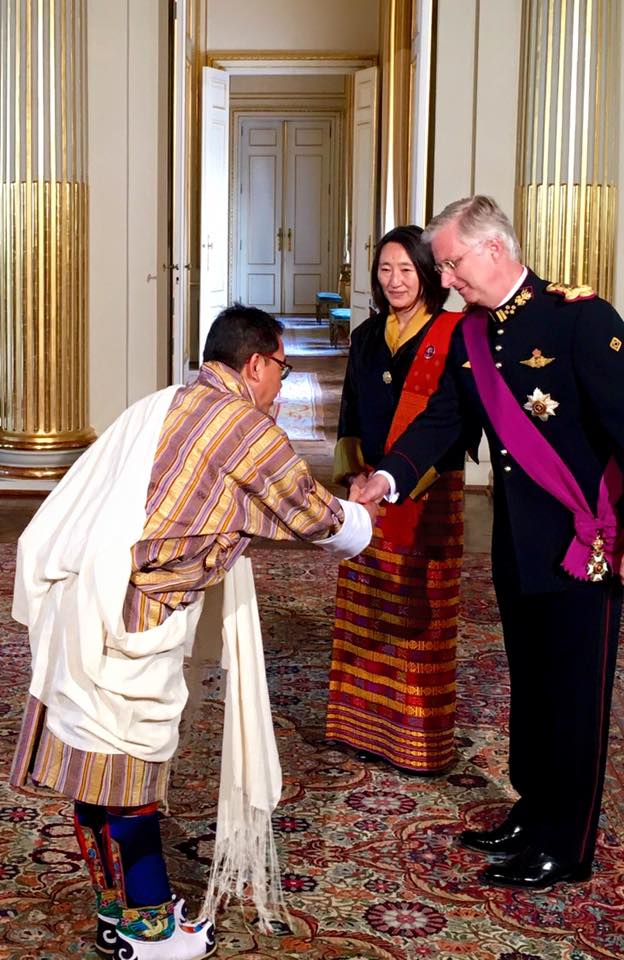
(286, 367)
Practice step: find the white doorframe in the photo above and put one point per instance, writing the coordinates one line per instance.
(180, 187)
(287, 64)
(214, 253)
(365, 134)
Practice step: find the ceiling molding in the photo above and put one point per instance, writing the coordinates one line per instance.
(276, 63)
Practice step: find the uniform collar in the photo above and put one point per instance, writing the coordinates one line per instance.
(515, 288)
(520, 294)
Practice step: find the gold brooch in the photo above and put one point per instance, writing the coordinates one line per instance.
(570, 293)
(520, 300)
(536, 360)
(541, 404)
(386, 376)
(597, 566)
(615, 344)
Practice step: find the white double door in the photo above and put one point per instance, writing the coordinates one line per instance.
(284, 222)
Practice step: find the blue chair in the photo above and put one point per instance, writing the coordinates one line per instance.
(324, 301)
(339, 323)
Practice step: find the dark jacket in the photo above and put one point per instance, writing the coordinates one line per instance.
(582, 342)
(373, 383)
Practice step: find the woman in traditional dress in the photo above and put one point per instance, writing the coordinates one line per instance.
(392, 681)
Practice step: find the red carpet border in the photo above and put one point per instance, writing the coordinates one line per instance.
(371, 870)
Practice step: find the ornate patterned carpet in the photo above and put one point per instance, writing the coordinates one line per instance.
(298, 408)
(370, 867)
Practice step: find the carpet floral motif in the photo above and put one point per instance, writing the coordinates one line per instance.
(370, 866)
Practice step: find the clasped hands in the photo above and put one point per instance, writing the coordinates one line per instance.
(369, 490)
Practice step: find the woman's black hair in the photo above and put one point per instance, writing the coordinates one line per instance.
(432, 293)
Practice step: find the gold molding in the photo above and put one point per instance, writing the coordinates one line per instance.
(288, 56)
(32, 473)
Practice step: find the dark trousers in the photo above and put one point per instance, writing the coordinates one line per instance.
(561, 649)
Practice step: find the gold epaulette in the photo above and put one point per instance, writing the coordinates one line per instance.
(570, 293)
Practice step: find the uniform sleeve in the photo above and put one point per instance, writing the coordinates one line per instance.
(598, 356)
(428, 438)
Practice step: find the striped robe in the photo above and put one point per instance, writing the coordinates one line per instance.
(223, 472)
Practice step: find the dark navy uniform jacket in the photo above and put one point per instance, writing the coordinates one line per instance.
(572, 350)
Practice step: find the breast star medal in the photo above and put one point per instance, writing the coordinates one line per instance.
(386, 376)
(597, 566)
(540, 404)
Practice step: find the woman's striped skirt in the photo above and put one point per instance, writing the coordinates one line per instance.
(392, 680)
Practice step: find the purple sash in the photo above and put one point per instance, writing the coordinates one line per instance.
(538, 459)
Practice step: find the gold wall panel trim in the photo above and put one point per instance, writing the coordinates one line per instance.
(586, 215)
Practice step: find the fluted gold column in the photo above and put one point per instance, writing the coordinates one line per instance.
(567, 160)
(43, 239)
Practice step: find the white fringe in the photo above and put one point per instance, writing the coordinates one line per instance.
(244, 854)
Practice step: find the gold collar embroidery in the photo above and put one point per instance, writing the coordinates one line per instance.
(520, 300)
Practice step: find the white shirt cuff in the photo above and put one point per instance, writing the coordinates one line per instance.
(354, 535)
(392, 495)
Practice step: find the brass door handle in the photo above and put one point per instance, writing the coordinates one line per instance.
(280, 238)
(289, 235)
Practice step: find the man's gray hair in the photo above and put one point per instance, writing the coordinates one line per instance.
(477, 218)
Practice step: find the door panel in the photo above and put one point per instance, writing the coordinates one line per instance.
(261, 290)
(260, 218)
(307, 213)
(364, 189)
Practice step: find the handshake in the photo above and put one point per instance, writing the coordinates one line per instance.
(369, 490)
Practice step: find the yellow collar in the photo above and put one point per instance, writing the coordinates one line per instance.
(395, 338)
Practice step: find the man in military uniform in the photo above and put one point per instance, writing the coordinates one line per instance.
(539, 367)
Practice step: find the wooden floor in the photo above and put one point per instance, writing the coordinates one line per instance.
(308, 349)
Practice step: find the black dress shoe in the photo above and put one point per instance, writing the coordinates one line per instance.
(507, 838)
(534, 869)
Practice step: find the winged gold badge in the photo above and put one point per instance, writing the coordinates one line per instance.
(537, 360)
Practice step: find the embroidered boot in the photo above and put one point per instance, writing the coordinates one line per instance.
(160, 933)
(89, 822)
(145, 932)
(108, 916)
